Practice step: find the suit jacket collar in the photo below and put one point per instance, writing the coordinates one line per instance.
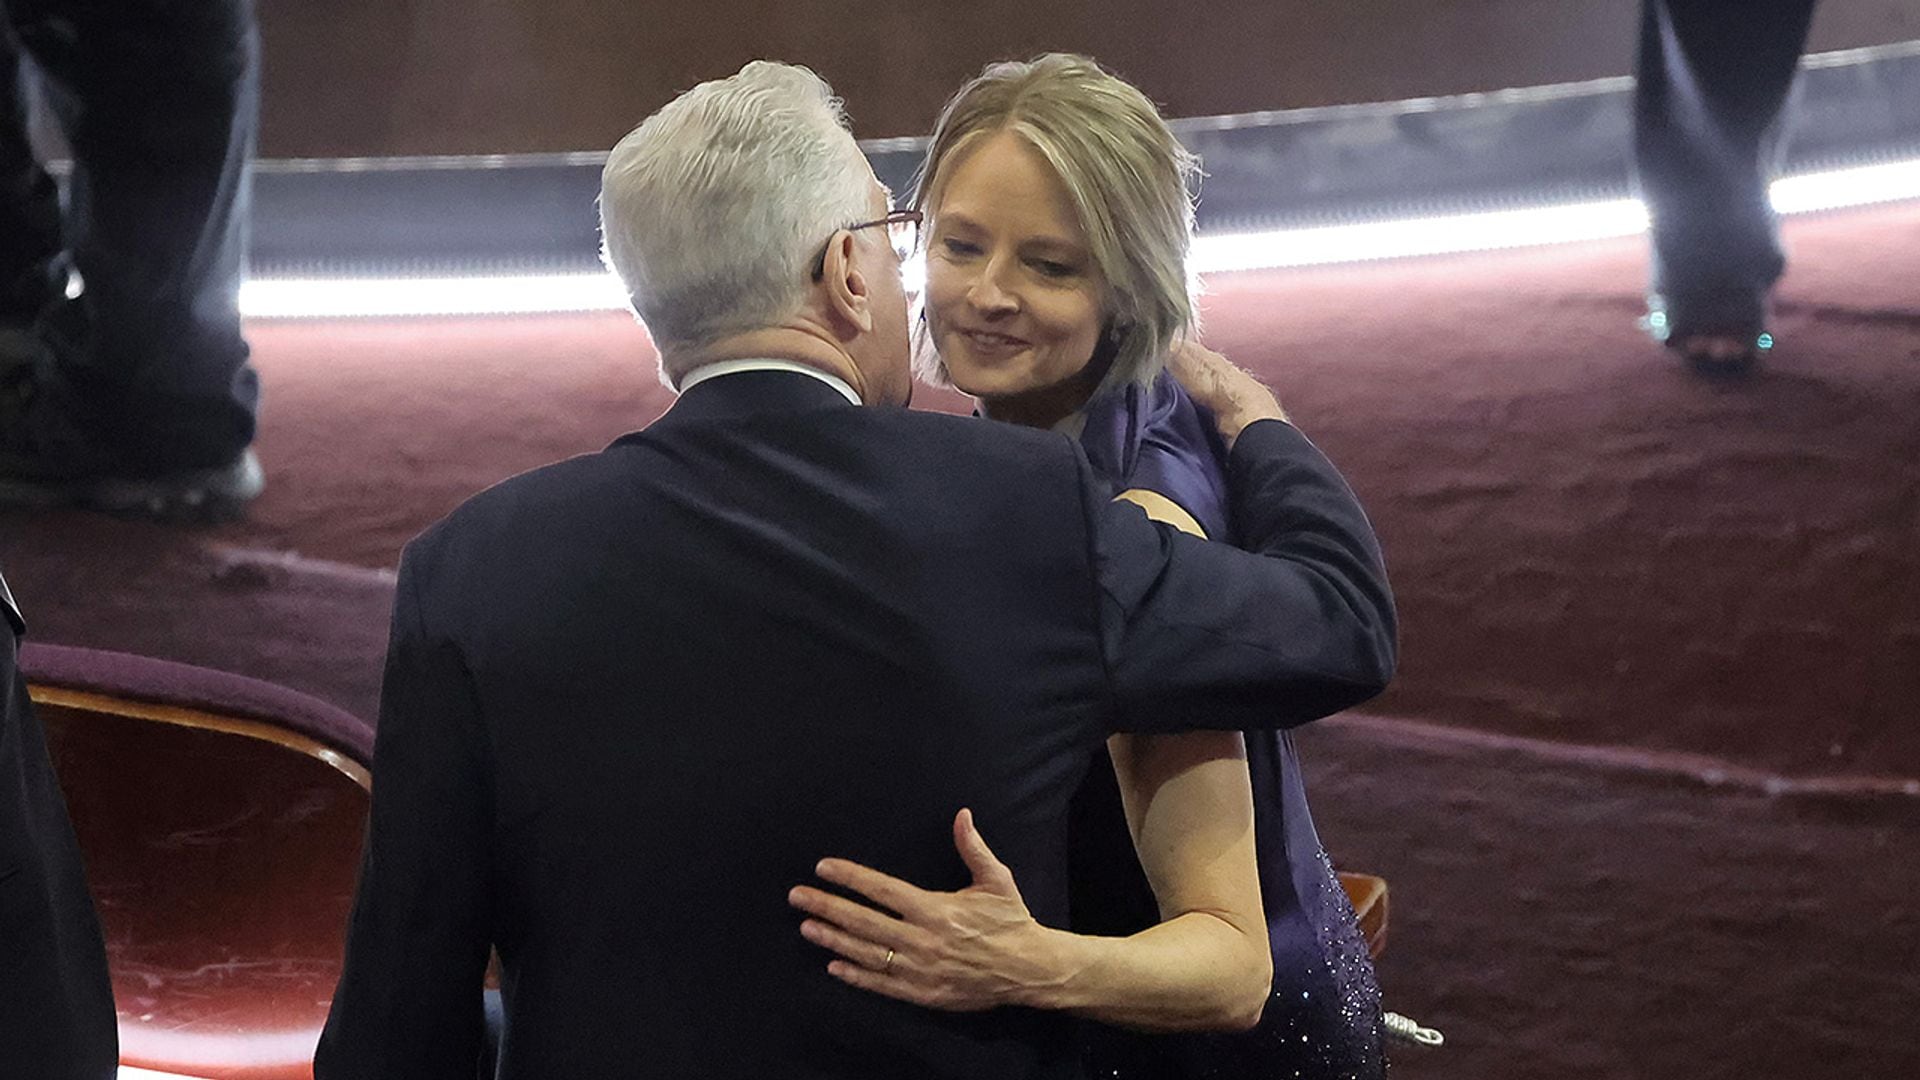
(9, 611)
(751, 393)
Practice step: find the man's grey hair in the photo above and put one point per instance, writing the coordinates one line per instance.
(714, 209)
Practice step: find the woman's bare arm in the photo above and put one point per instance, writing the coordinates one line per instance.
(1205, 967)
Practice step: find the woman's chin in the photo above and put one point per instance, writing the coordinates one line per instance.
(1017, 388)
(977, 383)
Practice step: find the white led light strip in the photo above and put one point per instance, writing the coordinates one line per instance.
(289, 298)
(282, 298)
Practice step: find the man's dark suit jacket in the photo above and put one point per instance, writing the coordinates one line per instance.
(632, 698)
(56, 1004)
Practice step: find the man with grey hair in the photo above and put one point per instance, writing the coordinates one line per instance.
(774, 169)
(632, 698)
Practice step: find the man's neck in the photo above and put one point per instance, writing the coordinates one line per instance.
(792, 344)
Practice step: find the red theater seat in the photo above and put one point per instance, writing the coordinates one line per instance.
(221, 822)
(1369, 896)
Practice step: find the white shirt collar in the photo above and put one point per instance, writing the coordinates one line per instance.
(728, 367)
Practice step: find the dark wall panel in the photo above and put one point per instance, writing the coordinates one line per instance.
(392, 77)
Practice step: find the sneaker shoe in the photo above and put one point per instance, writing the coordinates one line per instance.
(49, 459)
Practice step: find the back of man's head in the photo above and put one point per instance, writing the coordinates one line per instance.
(712, 210)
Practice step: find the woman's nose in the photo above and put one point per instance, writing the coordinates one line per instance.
(988, 295)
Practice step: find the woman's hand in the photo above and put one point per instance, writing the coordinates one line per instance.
(959, 951)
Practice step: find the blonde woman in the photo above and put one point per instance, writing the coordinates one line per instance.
(1058, 219)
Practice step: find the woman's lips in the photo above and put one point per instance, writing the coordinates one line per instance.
(991, 343)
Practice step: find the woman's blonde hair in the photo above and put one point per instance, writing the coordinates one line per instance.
(1129, 180)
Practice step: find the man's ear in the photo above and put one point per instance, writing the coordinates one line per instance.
(848, 295)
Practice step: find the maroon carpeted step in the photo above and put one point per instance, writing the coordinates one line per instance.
(173, 594)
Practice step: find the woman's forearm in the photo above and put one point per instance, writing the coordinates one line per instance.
(1195, 972)
(1206, 965)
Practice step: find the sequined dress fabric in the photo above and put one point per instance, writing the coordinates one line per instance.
(1323, 1020)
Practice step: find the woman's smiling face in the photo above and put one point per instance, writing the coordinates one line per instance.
(1013, 294)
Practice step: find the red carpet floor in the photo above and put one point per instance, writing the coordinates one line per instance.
(1650, 805)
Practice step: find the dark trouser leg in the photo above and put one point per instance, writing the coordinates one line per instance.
(1713, 79)
(159, 101)
(57, 1020)
(32, 254)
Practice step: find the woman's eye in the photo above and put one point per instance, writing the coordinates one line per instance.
(959, 247)
(1053, 269)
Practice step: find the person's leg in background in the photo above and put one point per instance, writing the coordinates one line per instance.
(137, 397)
(1713, 80)
(33, 261)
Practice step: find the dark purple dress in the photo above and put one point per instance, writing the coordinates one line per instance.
(1323, 1021)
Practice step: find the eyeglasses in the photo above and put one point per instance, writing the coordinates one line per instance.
(903, 230)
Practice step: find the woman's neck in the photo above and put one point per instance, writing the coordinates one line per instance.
(1044, 406)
